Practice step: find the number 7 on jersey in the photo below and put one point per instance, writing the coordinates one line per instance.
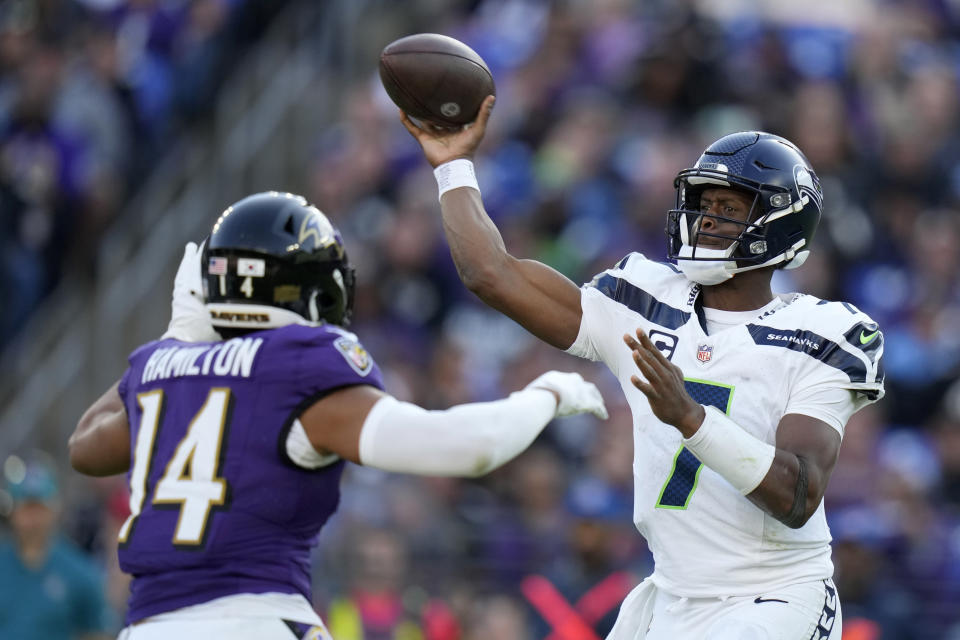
(682, 481)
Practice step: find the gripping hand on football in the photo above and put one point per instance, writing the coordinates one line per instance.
(190, 320)
(442, 145)
(663, 386)
(574, 394)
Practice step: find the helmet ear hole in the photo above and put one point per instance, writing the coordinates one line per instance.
(288, 227)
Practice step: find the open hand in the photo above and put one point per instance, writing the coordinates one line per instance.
(663, 386)
(190, 320)
(574, 394)
(442, 145)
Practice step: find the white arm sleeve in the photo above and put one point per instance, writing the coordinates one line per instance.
(467, 440)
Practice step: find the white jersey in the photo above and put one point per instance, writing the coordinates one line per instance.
(707, 539)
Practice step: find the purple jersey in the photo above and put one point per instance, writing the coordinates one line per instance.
(217, 506)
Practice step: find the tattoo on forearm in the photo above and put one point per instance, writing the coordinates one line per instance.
(795, 517)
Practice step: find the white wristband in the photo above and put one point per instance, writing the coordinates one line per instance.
(455, 174)
(723, 445)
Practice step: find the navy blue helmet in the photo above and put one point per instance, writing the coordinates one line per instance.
(272, 259)
(787, 202)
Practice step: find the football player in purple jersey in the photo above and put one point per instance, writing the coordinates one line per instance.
(235, 426)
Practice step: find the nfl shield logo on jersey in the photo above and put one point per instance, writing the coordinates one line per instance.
(704, 353)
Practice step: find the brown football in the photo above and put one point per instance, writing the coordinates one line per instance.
(435, 78)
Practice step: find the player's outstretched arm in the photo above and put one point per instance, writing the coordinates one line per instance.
(100, 445)
(787, 480)
(538, 297)
(367, 426)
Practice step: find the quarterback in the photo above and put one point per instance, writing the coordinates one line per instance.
(739, 396)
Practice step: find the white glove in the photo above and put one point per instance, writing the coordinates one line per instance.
(190, 319)
(576, 394)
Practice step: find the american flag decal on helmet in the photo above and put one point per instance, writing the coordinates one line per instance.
(217, 266)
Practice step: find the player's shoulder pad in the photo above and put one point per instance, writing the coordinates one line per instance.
(325, 336)
(146, 349)
(139, 351)
(635, 278)
(340, 332)
(348, 345)
(836, 320)
(639, 269)
(310, 334)
(838, 335)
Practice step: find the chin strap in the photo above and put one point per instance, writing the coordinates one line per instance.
(718, 266)
(714, 270)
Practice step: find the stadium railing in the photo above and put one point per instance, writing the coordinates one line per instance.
(78, 340)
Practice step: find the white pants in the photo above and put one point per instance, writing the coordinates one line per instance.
(807, 611)
(265, 616)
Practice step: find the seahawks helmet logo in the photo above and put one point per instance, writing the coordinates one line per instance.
(316, 226)
(807, 185)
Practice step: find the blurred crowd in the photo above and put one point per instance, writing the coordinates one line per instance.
(90, 92)
(599, 104)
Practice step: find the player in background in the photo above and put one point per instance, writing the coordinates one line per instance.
(739, 396)
(235, 448)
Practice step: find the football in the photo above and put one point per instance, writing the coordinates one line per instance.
(435, 78)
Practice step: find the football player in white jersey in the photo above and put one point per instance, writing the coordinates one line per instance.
(739, 396)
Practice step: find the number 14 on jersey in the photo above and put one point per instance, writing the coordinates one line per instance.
(191, 481)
